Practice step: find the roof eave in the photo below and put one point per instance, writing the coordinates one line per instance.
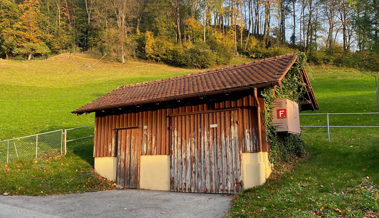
(171, 98)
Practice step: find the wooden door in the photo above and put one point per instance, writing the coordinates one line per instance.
(128, 157)
(206, 153)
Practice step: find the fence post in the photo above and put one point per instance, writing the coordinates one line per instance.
(8, 152)
(65, 141)
(327, 124)
(36, 146)
(377, 92)
(62, 136)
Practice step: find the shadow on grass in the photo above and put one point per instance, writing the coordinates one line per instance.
(83, 149)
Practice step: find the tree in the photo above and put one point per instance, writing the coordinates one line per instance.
(124, 12)
(9, 13)
(29, 37)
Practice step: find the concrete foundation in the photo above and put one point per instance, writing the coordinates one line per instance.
(255, 172)
(155, 172)
(106, 167)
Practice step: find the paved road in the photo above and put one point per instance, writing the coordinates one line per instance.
(116, 203)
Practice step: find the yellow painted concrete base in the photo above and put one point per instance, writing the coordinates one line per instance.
(155, 172)
(106, 167)
(255, 172)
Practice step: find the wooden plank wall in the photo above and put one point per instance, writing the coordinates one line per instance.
(128, 163)
(154, 124)
(206, 159)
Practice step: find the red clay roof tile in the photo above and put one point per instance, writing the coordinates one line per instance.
(258, 73)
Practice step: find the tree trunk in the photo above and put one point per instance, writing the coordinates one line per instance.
(29, 56)
(205, 20)
(177, 15)
(309, 32)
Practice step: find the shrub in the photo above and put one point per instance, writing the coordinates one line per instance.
(365, 60)
(320, 57)
(201, 56)
(257, 49)
(222, 51)
(178, 56)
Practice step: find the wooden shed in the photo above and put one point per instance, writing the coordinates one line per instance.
(201, 132)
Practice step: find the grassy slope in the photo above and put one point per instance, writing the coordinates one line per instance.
(38, 96)
(338, 178)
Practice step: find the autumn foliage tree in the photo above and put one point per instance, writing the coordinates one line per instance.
(329, 31)
(9, 13)
(30, 39)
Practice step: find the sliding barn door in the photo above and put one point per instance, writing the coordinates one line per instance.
(205, 153)
(128, 157)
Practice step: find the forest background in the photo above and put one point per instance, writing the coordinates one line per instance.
(193, 33)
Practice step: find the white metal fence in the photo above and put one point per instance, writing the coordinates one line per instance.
(42, 145)
(328, 126)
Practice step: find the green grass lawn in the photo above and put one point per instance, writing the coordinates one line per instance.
(38, 96)
(339, 177)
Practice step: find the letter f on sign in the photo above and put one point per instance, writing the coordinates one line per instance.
(281, 113)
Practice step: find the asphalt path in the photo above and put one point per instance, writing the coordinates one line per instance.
(116, 203)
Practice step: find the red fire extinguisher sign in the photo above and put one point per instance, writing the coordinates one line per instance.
(281, 113)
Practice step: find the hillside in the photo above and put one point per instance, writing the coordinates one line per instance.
(38, 96)
(337, 178)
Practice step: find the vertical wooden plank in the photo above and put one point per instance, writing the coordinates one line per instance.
(168, 112)
(198, 152)
(211, 158)
(239, 163)
(180, 164)
(105, 148)
(118, 169)
(97, 136)
(122, 158)
(202, 162)
(127, 158)
(163, 131)
(222, 151)
(206, 153)
(101, 140)
(219, 154)
(116, 126)
(192, 153)
(144, 133)
(177, 152)
(228, 149)
(188, 152)
(172, 154)
(133, 156)
(233, 151)
(154, 132)
(238, 155)
(104, 133)
(148, 139)
(183, 154)
(139, 144)
(129, 119)
(159, 132)
(110, 135)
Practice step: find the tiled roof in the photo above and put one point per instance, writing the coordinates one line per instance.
(260, 73)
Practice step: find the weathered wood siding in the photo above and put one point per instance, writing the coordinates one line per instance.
(206, 153)
(154, 135)
(128, 157)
